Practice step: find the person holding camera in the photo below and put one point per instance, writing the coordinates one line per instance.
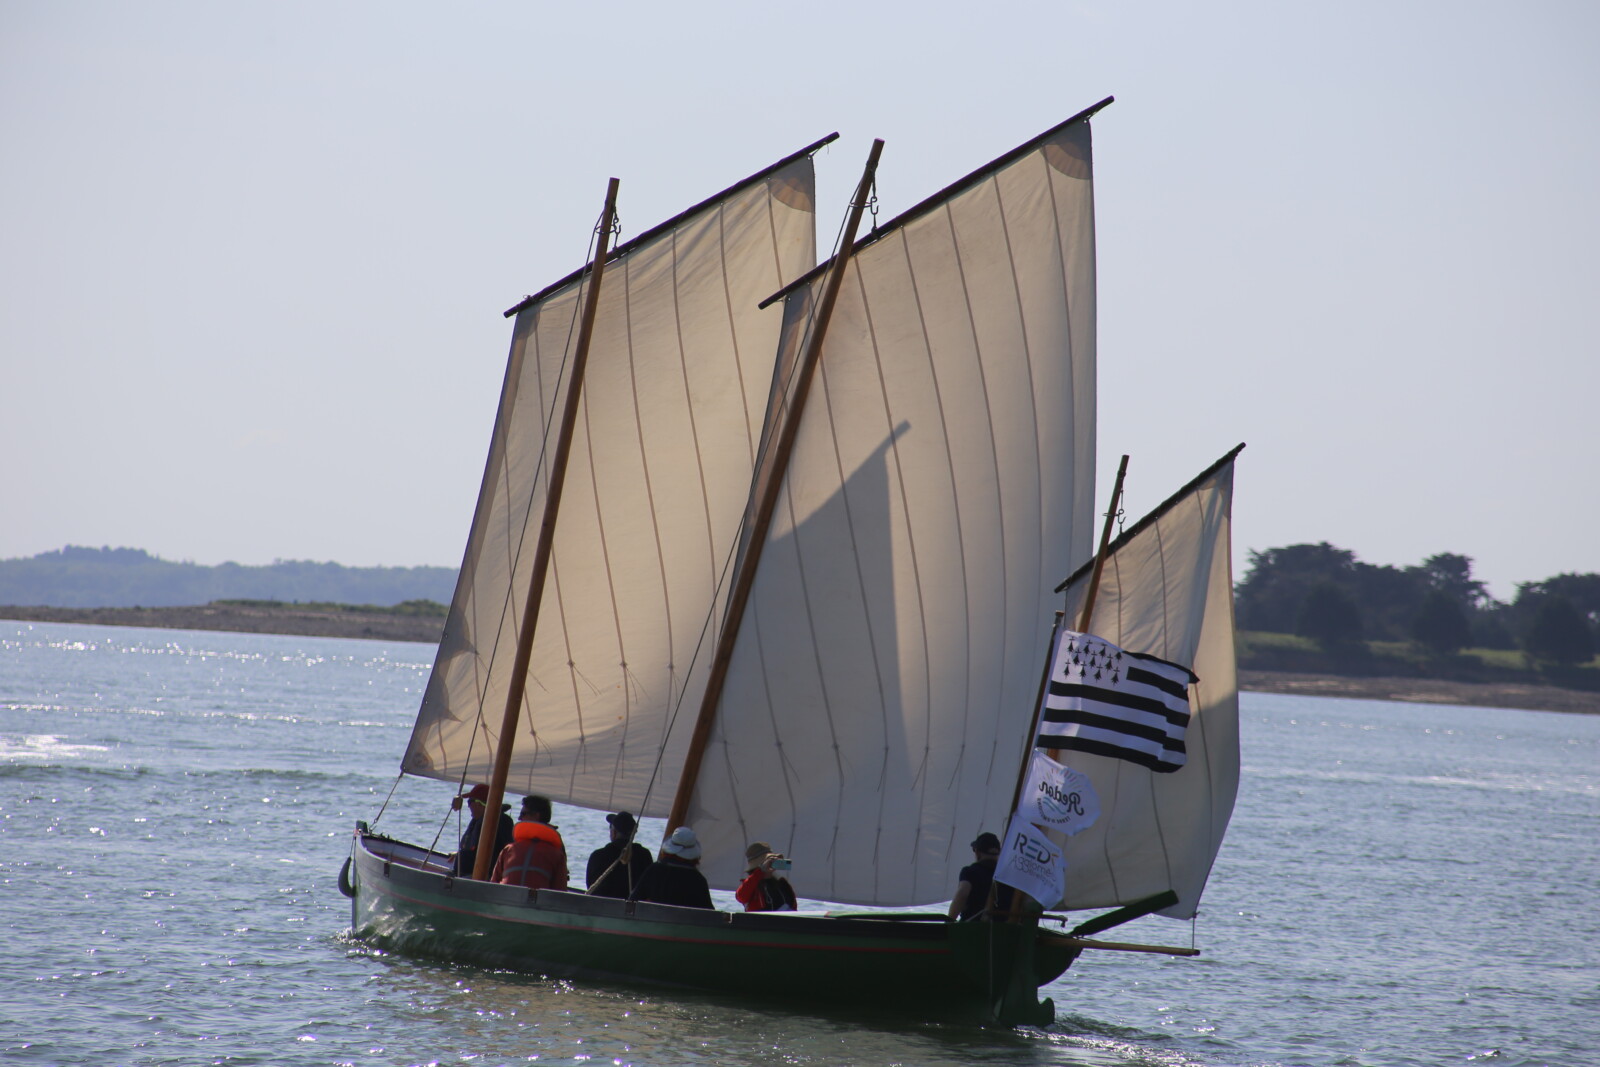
(763, 889)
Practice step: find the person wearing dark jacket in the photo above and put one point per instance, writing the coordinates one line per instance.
(467, 853)
(615, 869)
(972, 891)
(675, 877)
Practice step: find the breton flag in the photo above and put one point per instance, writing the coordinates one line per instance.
(1108, 702)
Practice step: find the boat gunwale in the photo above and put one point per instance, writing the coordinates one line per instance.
(515, 904)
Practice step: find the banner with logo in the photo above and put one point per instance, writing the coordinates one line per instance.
(1029, 861)
(1057, 797)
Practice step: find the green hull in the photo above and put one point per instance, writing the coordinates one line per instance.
(982, 972)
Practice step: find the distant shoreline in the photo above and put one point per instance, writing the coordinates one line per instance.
(289, 619)
(376, 625)
(1424, 691)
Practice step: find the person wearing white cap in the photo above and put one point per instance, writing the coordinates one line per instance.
(675, 877)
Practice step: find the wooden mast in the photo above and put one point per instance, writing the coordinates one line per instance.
(744, 580)
(1044, 679)
(541, 557)
(1088, 604)
(1100, 555)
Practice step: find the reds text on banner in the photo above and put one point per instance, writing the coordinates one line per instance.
(1029, 861)
(1110, 702)
(1058, 798)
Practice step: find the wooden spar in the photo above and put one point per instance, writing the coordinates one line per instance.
(744, 581)
(1038, 710)
(1151, 519)
(1100, 556)
(541, 555)
(1094, 581)
(1126, 914)
(1060, 941)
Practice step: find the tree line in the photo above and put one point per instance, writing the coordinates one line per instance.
(78, 577)
(1328, 595)
(1315, 591)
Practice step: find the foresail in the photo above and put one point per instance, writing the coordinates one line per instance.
(669, 423)
(883, 680)
(1166, 590)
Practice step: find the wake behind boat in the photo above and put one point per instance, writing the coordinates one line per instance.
(787, 573)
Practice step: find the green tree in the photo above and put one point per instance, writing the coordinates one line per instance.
(1329, 617)
(1559, 633)
(1275, 587)
(1451, 574)
(1583, 590)
(1492, 627)
(1441, 625)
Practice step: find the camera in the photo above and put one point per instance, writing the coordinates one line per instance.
(782, 864)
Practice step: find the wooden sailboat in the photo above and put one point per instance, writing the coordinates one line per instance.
(804, 599)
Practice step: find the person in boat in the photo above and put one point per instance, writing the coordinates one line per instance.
(467, 853)
(977, 879)
(675, 877)
(763, 889)
(536, 857)
(615, 868)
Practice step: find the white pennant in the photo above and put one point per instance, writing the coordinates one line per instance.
(1057, 797)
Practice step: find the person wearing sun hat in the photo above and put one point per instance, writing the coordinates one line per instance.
(675, 878)
(762, 888)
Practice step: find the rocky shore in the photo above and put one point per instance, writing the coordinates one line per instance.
(316, 621)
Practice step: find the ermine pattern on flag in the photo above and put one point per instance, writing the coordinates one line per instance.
(1109, 702)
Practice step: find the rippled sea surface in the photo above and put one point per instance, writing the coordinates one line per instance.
(1401, 884)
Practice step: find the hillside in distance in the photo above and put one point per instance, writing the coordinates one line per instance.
(78, 577)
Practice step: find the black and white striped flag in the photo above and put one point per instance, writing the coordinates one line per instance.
(1109, 702)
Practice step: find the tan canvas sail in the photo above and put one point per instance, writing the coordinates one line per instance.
(670, 418)
(1166, 590)
(883, 679)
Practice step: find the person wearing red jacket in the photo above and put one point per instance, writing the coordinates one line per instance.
(763, 890)
(536, 857)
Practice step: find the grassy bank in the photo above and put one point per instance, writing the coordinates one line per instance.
(1377, 670)
(1287, 653)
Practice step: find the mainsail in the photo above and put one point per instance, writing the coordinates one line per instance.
(670, 419)
(883, 679)
(1166, 590)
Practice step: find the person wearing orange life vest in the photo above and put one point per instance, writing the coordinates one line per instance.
(536, 857)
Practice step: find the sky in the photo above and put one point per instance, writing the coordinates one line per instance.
(254, 256)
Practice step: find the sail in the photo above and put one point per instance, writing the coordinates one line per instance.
(1166, 590)
(882, 683)
(669, 423)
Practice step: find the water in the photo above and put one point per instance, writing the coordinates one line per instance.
(1401, 885)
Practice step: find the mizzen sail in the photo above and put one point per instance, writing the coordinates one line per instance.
(1166, 590)
(883, 680)
(669, 424)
